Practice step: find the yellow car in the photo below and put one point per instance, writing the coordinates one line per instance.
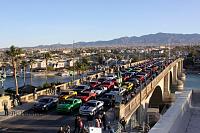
(67, 94)
(137, 69)
(128, 86)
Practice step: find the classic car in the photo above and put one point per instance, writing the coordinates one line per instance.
(108, 84)
(94, 84)
(45, 104)
(68, 105)
(99, 90)
(127, 85)
(81, 88)
(118, 90)
(107, 98)
(86, 96)
(67, 94)
(91, 107)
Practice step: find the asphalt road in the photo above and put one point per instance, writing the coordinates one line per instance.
(31, 122)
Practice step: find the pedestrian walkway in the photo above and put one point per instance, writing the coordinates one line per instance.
(18, 110)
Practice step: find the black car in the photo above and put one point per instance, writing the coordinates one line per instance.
(81, 88)
(107, 98)
(45, 104)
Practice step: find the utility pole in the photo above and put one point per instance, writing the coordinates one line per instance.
(73, 62)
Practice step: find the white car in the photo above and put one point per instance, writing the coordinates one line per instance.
(118, 90)
(91, 107)
(99, 90)
(111, 76)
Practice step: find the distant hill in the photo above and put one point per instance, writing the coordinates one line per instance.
(150, 39)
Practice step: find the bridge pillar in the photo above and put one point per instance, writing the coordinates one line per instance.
(167, 92)
(182, 77)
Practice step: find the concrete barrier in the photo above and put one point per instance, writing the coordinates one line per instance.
(176, 119)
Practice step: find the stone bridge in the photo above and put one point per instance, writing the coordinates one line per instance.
(157, 92)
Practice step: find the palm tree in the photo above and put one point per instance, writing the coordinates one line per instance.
(14, 54)
(47, 56)
(24, 65)
(31, 62)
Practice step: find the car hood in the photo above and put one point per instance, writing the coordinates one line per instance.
(63, 105)
(87, 108)
(39, 104)
(82, 97)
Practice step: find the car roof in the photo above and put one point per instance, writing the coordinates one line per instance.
(93, 101)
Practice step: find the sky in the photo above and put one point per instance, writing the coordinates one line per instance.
(42, 22)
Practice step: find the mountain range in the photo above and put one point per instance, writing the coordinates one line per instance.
(150, 39)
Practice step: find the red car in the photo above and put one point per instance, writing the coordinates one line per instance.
(108, 84)
(140, 78)
(125, 77)
(86, 96)
(94, 84)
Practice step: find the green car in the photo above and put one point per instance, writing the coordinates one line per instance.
(68, 105)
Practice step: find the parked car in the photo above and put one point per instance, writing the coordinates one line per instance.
(135, 81)
(81, 88)
(94, 84)
(91, 108)
(99, 90)
(127, 85)
(111, 76)
(68, 105)
(102, 79)
(107, 99)
(86, 96)
(45, 104)
(67, 94)
(108, 84)
(118, 90)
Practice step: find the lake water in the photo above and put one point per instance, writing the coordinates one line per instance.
(192, 81)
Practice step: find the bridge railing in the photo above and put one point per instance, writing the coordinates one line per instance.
(126, 110)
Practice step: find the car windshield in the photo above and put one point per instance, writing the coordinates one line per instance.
(90, 104)
(64, 93)
(66, 102)
(44, 100)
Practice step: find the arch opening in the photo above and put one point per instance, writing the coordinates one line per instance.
(156, 100)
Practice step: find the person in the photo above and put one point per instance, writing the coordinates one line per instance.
(104, 120)
(67, 129)
(76, 123)
(110, 129)
(80, 125)
(123, 123)
(61, 130)
(18, 100)
(97, 123)
(5, 109)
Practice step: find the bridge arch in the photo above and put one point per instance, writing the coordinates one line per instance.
(156, 99)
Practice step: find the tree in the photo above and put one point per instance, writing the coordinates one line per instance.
(47, 56)
(31, 62)
(24, 65)
(14, 54)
